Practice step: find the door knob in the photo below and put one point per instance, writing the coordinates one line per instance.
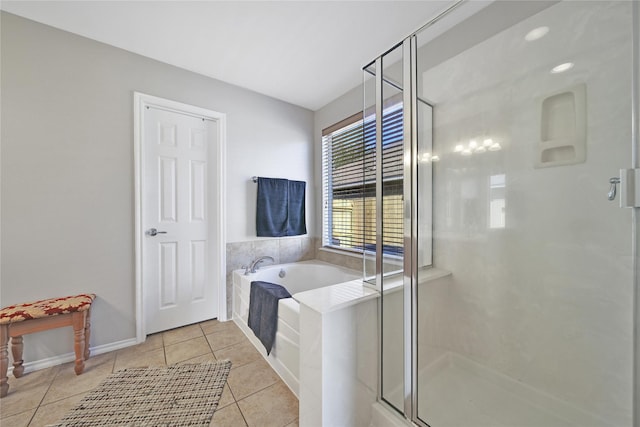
(153, 232)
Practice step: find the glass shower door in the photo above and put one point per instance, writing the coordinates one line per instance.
(526, 317)
(389, 245)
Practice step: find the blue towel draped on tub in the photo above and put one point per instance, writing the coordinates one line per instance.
(280, 209)
(263, 310)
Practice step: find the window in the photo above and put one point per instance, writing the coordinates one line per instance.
(349, 182)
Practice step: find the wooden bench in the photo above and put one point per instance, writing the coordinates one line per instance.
(20, 319)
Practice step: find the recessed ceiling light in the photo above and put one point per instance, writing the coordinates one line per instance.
(562, 68)
(536, 33)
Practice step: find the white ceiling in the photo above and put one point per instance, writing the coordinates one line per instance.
(304, 52)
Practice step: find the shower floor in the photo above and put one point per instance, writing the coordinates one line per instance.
(457, 392)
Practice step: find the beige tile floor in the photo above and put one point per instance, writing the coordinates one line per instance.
(254, 394)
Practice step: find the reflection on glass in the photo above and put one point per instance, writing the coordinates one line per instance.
(368, 173)
(497, 201)
(426, 159)
(474, 147)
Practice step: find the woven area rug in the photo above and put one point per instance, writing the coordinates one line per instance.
(182, 395)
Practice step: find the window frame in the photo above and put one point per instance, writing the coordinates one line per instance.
(365, 122)
(327, 217)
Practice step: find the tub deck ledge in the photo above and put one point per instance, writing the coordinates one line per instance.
(335, 297)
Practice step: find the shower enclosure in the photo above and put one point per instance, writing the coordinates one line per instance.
(494, 139)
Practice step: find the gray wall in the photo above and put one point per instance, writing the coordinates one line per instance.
(67, 168)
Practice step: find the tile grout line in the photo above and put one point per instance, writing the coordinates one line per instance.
(45, 394)
(208, 343)
(256, 392)
(164, 349)
(226, 346)
(235, 402)
(242, 415)
(115, 357)
(264, 388)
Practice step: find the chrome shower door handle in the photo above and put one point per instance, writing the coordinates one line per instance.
(613, 189)
(154, 232)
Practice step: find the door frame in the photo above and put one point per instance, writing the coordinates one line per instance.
(216, 177)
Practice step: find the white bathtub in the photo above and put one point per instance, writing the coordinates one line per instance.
(298, 277)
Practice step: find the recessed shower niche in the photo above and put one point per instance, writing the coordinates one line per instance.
(563, 128)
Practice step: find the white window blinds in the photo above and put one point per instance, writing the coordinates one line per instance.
(349, 183)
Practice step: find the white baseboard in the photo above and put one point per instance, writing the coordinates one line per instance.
(70, 357)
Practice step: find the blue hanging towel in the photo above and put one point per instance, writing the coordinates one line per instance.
(280, 209)
(271, 210)
(296, 223)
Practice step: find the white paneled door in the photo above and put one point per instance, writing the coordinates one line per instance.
(177, 245)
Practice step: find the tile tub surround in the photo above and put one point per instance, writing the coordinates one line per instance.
(352, 260)
(283, 250)
(341, 258)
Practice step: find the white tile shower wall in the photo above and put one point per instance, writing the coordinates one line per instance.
(542, 294)
(283, 250)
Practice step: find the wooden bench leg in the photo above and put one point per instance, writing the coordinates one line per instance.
(4, 360)
(87, 334)
(77, 320)
(16, 351)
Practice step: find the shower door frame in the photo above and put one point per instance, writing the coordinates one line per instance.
(635, 215)
(408, 97)
(410, 201)
(410, 228)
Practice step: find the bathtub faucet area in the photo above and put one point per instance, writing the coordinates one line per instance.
(256, 263)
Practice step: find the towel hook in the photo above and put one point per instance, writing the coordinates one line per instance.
(612, 190)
